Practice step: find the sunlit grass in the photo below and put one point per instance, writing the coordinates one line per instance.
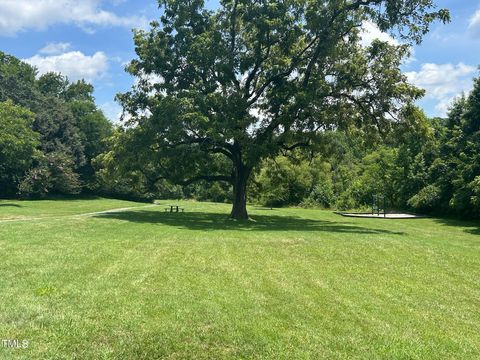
(145, 284)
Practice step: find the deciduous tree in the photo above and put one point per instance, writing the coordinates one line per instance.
(218, 91)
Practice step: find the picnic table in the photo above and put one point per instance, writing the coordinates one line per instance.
(174, 208)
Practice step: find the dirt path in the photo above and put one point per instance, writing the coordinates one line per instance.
(111, 211)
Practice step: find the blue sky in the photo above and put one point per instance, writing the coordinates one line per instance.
(92, 39)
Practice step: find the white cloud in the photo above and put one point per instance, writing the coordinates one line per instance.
(55, 48)
(370, 32)
(112, 110)
(21, 15)
(443, 82)
(75, 65)
(474, 24)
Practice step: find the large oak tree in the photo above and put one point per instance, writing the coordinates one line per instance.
(220, 90)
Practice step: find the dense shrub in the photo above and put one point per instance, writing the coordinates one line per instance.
(427, 199)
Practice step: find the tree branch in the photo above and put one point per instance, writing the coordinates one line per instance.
(209, 178)
(295, 146)
(224, 148)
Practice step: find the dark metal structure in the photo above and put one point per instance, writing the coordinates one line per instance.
(379, 205)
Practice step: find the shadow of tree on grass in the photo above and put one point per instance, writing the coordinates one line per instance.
(472, 227)
(11, 205)
(473, 231)
(215, 221)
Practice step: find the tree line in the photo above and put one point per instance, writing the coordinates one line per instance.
(55, 141)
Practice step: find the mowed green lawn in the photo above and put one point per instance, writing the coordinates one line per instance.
(294, 284)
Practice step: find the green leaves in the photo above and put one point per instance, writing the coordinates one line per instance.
(17, 144)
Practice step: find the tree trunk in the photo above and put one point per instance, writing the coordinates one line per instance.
(239, 209)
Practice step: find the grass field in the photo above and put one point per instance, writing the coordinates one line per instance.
(293, 284)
